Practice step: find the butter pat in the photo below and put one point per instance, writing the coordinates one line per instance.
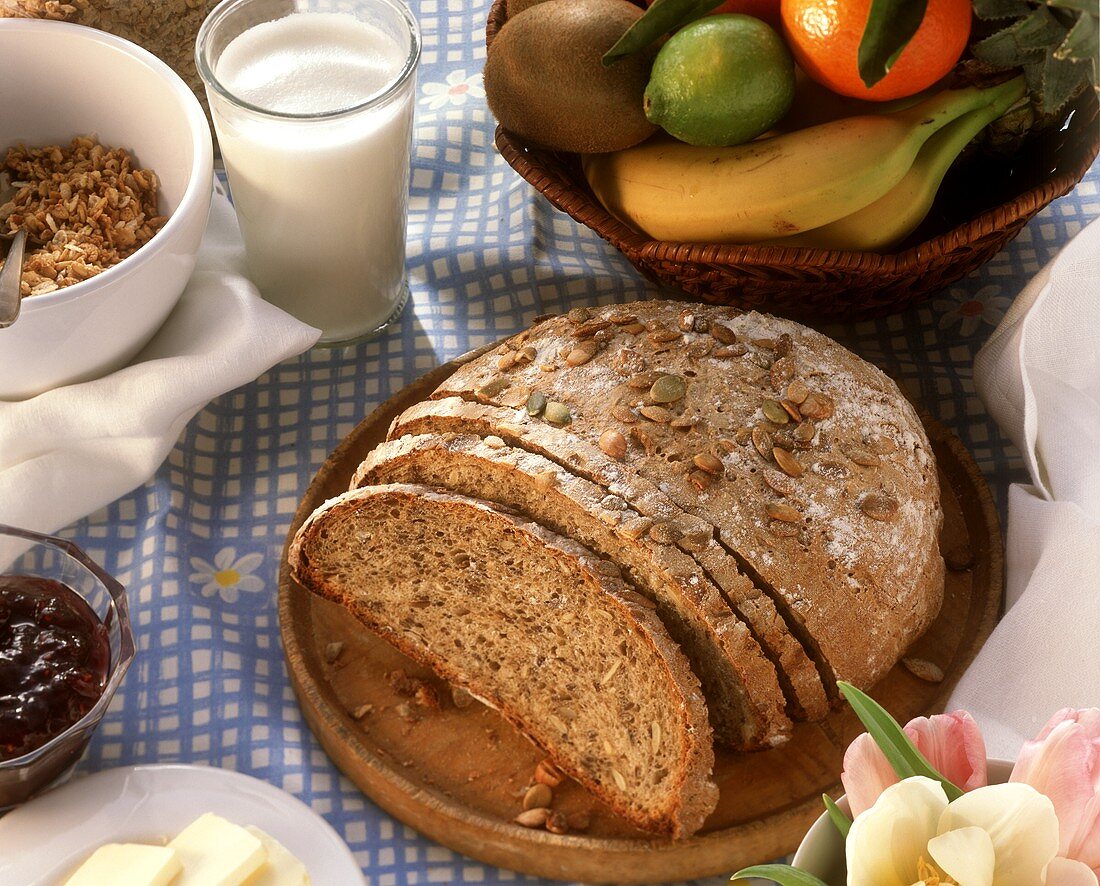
(216, 852)
(281, 868)
(128, 864)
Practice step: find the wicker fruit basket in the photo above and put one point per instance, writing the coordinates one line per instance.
(987, 203)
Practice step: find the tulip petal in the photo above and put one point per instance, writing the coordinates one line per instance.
(966, 855)
(1065, 872)
(1063, 764)
(1021, 823)
(866, 773)
(887, 840)
(953, 744)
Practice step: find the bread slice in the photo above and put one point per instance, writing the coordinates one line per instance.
(742, 690)
(798, 675)
(534, 624)
(833, 510)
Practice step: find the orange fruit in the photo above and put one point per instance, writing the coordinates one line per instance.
(824, 37)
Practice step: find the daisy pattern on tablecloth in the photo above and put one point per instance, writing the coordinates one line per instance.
(971, 311)
(227, 576)
(452, 91)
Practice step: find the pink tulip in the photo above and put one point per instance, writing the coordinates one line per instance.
(1063, 762)
(952, 743)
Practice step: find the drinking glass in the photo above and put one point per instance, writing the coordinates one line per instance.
(321, 191)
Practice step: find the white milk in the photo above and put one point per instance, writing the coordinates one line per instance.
(322, 202)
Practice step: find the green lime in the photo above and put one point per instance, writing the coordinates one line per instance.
(722, 80)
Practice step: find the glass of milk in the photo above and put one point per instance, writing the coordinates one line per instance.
(312, 101)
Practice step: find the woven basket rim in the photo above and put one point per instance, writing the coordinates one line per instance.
(582, 205)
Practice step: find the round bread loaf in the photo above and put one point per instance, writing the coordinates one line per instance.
(812, 467)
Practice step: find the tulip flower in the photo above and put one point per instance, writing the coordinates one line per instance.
(999, 835)
(952, 743)
(1063, 762)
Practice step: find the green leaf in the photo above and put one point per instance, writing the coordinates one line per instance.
(1081, 44)
(890, 26)
(837, 816)
(661, 18)
(992, 10)
(1061, 80)
(895, 745)
(1002, 50)
(1040, 31)
(1086, 6)
(782, 874)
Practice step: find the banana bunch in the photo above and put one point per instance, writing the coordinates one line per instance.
(862, 182)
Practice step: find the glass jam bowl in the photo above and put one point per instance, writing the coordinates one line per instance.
(29, 560)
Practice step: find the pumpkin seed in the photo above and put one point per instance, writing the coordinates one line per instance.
(613, 443)
(686, 320)
(695, 540)
(782, 512)
(536, 403)
(526, 354)
(768, 344)
(538, 796)
(774, 412)
(557, 413)
(557, 823)
(737, 350)
(547, 773)
(863, 458)
(701, 480)
(881, 445)
(784, 345)
(506, 361)
(333, 650)
(634, 328)
(723, 334)
(656, 413)
(664, 533)
(834, 470)
(494, 387)
(726, 444)
(879, 506)
(548, 367)
(620, 318)
(629, 362)
(797, 392)
(624, 413)
(661, 335)
(792, 410)
(668, 389)
(778, 482)
(817, 406)
(533, 818)
(578, 315)
(782, 371)
(805, 432)
(705, 461)
(684, 422)
(788, 464)
(700, 347)
(589, 329)
(582, 353)
(783, 530)
(642, 438)
(762, 440)
(923, 669)
(643, 380)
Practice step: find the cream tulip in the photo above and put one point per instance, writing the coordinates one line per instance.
(1001, 835)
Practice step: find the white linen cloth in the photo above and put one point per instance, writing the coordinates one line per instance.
(72, 450)
(1039, 375)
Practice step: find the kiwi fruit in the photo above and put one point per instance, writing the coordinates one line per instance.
(545, 81)
(513, 8)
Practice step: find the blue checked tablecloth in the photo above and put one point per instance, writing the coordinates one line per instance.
(198, 545)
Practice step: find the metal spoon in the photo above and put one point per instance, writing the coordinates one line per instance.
(12, 273)
(10, 277)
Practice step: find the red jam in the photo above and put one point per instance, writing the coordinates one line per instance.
(54, 659)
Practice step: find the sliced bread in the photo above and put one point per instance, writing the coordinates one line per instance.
(741, 686)
(810, 464)
(534, 624)
(798, 674)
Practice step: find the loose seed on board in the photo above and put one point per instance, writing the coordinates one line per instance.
(782, 512)
(705, 461)
(533, 818)
(557, 823)
(774, 412)
(613, 443)
(788, 464)
(536, 403)
(538, 796)
(797, 392)
(656, 413)
(668, 389)
(333, 650)
(762, 440)
(879, 506)
(361, 711)
(557, 413)
(923, 669)
(547, 773)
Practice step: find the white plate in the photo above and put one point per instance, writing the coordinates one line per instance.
(47, 839)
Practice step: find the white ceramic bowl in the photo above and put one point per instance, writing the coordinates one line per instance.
(57, 81)
(821, 851)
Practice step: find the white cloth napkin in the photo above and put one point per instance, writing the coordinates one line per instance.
(1039, 375)
(72, 450)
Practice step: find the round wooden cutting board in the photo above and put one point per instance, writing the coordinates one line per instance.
(457, 774)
